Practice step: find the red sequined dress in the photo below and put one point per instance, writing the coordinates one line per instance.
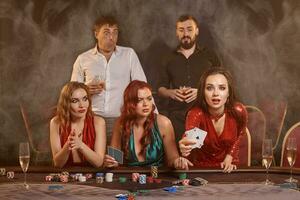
(215, 146)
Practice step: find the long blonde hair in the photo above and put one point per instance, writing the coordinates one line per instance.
(63, 114)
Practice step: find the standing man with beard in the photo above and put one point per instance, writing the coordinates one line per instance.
(107, 69)
(182, 70)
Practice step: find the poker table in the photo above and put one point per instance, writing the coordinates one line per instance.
(244, 183)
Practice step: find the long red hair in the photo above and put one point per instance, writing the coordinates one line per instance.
(128, 115)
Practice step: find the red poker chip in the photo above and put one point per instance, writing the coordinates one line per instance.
(157, 180)
(150, 179)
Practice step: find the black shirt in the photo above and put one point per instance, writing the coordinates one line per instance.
(179, 71)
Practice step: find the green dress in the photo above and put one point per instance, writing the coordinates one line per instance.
(154, 150)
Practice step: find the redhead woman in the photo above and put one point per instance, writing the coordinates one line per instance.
(145, 138)
(77, 136)
(217, 112)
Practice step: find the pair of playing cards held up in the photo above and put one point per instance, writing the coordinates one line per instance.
(116, 154)
(196, 134)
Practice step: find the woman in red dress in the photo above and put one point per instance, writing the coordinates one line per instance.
(217, 112)
(77, 137)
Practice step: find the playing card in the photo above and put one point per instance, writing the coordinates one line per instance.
(116, 154)
(198, 135)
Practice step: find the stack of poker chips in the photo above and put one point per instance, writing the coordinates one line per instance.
(82, 178)
(185, 182)
(150, 179)
(64, 178)
(135, 177)
(154, 171)
(48, 178)
(77, 175)
(88, 175)
(109, 177)
(2, 171)
(142, 179)
(182, 176)
(10, 175)
(122, 179)
(157, 180)
(99, 177)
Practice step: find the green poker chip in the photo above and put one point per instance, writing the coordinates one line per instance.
(122, 179)
(182, 176)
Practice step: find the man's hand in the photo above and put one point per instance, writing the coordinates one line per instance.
(96, 87)
(191, 94)
(176, 94)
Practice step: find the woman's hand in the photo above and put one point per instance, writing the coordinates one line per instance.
(185, 146)
(227, 165)
(182, 163)
(110, 161)
(74, 141)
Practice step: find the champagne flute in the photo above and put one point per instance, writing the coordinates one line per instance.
(291, 155)
(24, 158)
(267, 157)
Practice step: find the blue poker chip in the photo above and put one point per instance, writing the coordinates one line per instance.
(171, 189)
(55, 187)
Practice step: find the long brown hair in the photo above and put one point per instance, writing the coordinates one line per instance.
(128, 115)
(229, 105)
(63, 113)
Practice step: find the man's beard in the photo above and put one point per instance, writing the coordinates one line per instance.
(187, 45)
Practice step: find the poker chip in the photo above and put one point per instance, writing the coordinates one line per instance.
(142, 179)
(99, 177)
(10, 175)
(185, 182)
(88, 175)
(82, 179)
(121, 196)
(182, 176)
(99, 174)
(130, 197)
(2, 171)
(157, 180)
(48, 178)
(171, 189)
(65, 173)
(77, 175)
(55, 187)
(55, 178)
(122, 179)
(109, 177)
(149, 179)
(154, 171)
(135, 177)
(64, 178)
(73, 176)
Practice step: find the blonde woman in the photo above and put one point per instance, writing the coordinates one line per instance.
(77, 136)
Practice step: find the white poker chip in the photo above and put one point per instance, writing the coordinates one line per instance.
(121, 195)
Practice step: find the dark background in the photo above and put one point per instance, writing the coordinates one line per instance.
(258, 40)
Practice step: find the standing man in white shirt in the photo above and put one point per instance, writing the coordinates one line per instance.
(107, 69)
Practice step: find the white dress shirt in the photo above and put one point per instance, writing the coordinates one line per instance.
(122, 67)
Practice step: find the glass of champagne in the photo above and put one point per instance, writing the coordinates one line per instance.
(267, 157)
(291, 155)
(24, 158)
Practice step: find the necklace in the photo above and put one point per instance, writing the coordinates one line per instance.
(217, 117)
